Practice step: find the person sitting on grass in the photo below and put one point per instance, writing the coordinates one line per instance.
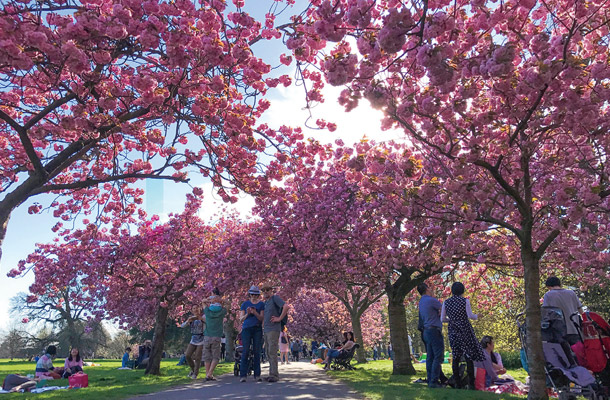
(73, 363)
(348, 343)
(487, 343)
(44, 366)
(125, 360)
(144, 351)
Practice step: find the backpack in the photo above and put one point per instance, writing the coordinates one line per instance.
(284, 320)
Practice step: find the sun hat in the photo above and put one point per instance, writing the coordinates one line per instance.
(254, 290)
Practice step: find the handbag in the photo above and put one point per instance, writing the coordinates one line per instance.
(78, 380)
(284, 341)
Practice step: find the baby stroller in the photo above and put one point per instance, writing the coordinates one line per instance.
(593, 352)
(563, 374)
(238, 350)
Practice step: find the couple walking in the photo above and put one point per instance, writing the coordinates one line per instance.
(457, 312)
(261, 319)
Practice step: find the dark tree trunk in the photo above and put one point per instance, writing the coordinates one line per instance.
(357, 328)
(535, 355)
(399, 336)
(154, 362)
(73, 335)
(230, 335)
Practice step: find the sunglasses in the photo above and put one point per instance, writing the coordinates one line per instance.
(255, 295)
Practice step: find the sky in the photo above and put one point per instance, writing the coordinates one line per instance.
(164, 197)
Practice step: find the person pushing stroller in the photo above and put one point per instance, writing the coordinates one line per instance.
(568, 302)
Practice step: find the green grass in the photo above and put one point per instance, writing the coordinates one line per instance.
(375, 381)
(105, 381)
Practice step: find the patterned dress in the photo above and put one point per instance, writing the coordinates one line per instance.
(461, 335)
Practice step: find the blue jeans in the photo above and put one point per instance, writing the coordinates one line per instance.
(332, 353)
(435, 347)
(254, 335)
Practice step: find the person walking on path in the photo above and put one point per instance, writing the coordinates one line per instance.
(252, 314)
(567, 301)
(194, 349)
(457, 311)
(432, 328)
(295, 347)
(284, 346)
(214, 316)
(275, 310)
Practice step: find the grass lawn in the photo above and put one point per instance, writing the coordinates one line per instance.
(375, 381)
(105, 381)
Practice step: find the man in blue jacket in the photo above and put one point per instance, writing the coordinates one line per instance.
(432, 328)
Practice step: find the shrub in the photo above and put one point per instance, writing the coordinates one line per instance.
(511, 359)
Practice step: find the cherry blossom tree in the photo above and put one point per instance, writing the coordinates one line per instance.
(327, 231)
(138, 280)
(99, 94)
(157, 273)
(318, 315)
(512, 99)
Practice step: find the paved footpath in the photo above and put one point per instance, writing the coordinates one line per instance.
(299, 381)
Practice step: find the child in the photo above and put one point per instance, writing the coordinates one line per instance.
(44, 366)
(194, 351)
(125, 361)
(73, 363)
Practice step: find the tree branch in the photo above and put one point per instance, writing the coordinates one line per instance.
(94, 182)
(26, 143)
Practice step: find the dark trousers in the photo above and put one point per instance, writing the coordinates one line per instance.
(435, 347)
(252, 335)
(455, 366)
(573, 338)
(71, 371)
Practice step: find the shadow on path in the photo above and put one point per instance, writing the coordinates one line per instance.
(298, 381)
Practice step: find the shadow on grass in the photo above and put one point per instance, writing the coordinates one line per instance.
(375, 381)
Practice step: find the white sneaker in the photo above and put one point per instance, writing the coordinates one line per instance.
(190, 375)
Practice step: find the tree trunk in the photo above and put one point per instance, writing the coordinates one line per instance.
(73, 335)
(399, 336)
(154, 362)
(230, 335)
(535, 356)
(357, 328)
